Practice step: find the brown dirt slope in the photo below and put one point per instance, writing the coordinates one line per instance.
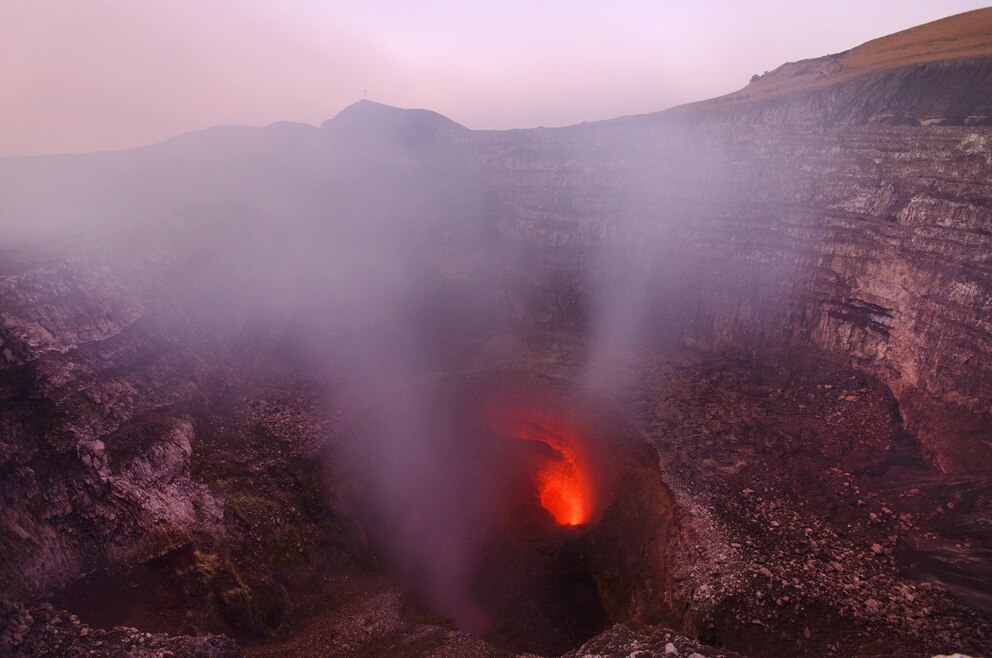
(966, 35)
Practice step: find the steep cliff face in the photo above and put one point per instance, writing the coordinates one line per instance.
(96, 459)
(866, 241)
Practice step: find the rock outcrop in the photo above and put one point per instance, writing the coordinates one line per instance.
(44, 631)
(96, 462)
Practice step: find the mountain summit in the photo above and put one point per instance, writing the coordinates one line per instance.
(370, 119)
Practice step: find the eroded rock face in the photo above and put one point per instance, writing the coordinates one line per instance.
(870, 242)
(96, 469)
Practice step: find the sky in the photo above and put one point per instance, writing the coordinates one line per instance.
(87, 75)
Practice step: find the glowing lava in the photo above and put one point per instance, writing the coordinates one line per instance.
(561, 491)
(563, 484)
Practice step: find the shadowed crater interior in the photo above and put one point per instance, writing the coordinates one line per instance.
(540, 519)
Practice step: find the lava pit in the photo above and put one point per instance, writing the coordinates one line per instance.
(536, 518)
(564, 480)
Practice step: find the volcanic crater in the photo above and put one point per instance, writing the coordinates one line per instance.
(568, 515)
(714, 381)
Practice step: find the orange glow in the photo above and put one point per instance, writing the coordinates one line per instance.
(561, 491)
(564, 487)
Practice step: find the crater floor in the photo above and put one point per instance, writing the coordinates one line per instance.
(810, 524)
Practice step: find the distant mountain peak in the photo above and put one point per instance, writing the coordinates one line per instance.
(368, 119)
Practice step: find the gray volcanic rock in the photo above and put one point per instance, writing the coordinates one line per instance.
(621, 642)
(83, 371)
(44, 631)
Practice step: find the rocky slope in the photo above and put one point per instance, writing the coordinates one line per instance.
(96, 468)
(44, 631)
(931, 74)
(841, 206)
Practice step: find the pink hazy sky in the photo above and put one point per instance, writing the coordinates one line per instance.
(84, 75)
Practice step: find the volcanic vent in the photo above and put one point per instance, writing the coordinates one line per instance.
(540, 519)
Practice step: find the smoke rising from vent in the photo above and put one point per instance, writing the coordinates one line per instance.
(375, 254)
